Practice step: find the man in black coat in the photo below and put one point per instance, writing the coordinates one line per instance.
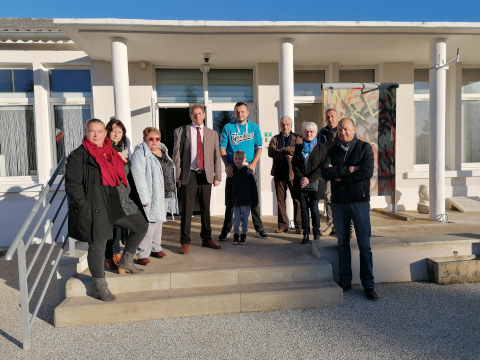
(349, 165)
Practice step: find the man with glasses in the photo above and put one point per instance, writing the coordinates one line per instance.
(244, 135)
(197, 163)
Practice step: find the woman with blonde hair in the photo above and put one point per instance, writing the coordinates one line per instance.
(154, 174)
(99, 194)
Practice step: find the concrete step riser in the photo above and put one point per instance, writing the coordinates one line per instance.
(221, 303)
(320, 270)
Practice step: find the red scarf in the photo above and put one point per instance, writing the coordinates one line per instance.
(110, 162)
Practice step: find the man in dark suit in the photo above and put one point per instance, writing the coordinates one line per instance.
(197, 159)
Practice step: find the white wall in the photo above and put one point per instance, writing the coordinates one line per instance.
(268, 118)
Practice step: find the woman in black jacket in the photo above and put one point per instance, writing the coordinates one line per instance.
(308, 185)
(117, 134)
(99, 197)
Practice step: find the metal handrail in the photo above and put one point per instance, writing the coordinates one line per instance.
(21, 245)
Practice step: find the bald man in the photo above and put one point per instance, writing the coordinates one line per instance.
(349, 166)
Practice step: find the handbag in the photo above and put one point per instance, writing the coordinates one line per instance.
(312, 186)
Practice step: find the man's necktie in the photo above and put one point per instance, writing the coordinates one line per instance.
(199, 149)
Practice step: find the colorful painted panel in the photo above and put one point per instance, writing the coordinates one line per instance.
(374, 113)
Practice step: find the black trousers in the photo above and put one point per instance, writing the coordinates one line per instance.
(138, 227)
(257, 220)
(197, 183)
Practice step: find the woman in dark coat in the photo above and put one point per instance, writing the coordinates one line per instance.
(99, 195)
(117, 134)
(306, 162)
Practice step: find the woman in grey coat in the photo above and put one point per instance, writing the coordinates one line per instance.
(154, 174)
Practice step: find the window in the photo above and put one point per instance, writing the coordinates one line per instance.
(422, 116)
(308, 82)
(70, 83)
(69, 124)
(230, 85)
(179, 86)
(357, 76)
(471, 115)
(16, 83)
(17, 141)
(187, 86)
(312, 112)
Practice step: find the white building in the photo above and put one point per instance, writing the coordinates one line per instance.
(56, 74)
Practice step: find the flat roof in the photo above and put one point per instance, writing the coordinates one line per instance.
(247, 43)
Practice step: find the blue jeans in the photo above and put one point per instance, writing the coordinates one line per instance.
(241, 215)
(359, 213)
(307, 204)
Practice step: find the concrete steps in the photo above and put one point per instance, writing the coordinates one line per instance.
(202, 292)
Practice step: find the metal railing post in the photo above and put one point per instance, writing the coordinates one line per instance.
(22, 280)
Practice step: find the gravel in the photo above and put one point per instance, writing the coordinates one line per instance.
(409, 321)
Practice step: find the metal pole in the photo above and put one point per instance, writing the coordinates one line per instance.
(22, 280)
(438, 86)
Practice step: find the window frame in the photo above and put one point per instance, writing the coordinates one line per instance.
(19, 101)
(419, 97)
(467, 97)
(206, 97)
(29, 95)
(53, 101)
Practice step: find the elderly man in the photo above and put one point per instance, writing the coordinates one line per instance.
(244, 135)
(328, 136)
(197, 159)
(281, 150)
(349, 166)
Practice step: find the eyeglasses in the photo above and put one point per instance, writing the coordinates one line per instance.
(154, 139)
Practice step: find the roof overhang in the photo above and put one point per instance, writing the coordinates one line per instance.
(246, 43)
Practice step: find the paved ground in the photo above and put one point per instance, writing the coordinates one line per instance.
(410, 321)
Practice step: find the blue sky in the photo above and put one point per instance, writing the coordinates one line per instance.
(278, 10)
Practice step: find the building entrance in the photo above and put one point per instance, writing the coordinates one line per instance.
(170, 119)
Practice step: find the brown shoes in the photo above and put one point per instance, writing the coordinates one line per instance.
(281, 230)
(158, 254)
(110, 264)
(211, 244)
(143, 261)
(184, 249)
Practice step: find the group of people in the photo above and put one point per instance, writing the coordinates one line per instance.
(113, 197)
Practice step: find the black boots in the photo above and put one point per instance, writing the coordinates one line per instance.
(305, 239)
(101, 290)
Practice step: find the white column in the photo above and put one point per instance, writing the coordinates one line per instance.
(438, 100)
(46, 155)
(286, 78)
(121, 85)
(286, 96)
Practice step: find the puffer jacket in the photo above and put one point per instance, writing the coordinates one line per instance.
(148, 175)
(353, 187)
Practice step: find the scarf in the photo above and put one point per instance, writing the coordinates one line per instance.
(308, 146)
(110, 162)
